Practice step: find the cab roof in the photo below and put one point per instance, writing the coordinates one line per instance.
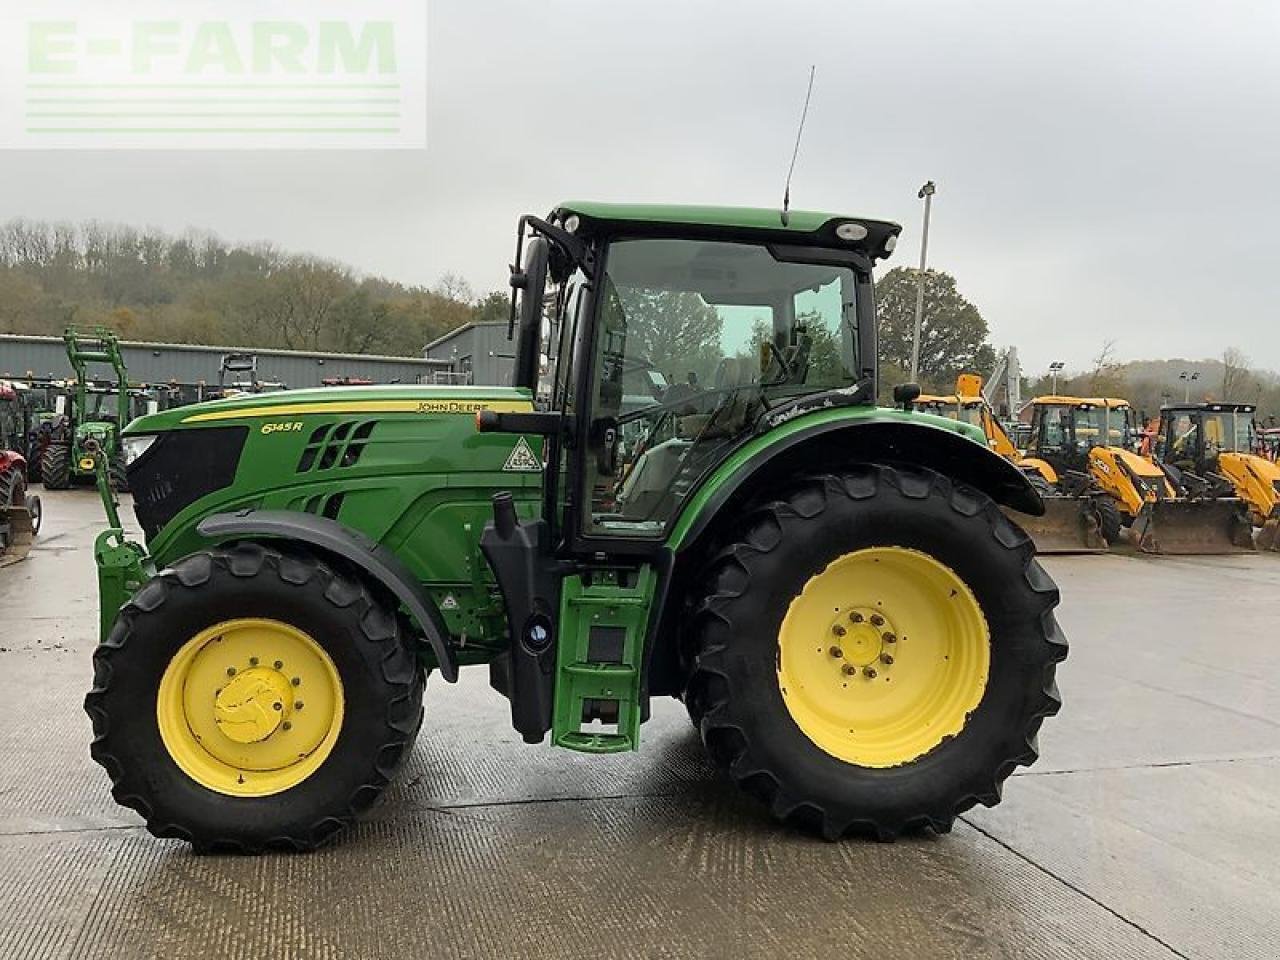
(1209, 407)
(798, 225)
(1111, 403)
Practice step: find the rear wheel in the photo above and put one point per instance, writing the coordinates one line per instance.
(272, 728)
(1109, 518)
(55, 467)
(876, 653)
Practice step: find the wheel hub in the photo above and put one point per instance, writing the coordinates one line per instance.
(863, 633)
(253, 704)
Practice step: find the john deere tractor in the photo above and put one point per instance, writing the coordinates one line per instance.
(96, 416)
(1210, 449)
(864, 641)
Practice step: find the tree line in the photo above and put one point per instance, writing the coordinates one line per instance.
(195, 288)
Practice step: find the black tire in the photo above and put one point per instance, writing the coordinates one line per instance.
(55, 467)
(381, 678)
(119, 478)
(1109, 518)
(734, 689)
(1043, 486)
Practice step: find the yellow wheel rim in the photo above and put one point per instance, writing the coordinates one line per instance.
(250, 707)
(883, 656)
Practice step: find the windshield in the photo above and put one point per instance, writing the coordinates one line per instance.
(100, 406)
(1098, 426)
(695, 340)
(1228, 431)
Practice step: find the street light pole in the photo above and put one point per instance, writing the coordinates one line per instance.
(1188, 379)
(1054, 369)
(926, 193)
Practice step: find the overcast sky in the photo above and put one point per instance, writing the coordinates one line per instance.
(1105, 170)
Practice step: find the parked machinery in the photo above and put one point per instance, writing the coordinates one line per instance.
(1084, 447)
(1074, 508)
(20, 511)
(1211, 449)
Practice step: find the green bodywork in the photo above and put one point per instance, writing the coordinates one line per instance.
(407, 467)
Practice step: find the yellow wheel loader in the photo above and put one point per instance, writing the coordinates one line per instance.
(1076, 511)
(1212, 449)
(1084, 447)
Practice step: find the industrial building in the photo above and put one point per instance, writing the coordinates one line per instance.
(476, 353)
(23, 355)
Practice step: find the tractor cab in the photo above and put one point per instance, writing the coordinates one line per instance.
(664, 344)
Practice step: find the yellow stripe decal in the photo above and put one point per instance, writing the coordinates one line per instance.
(460, 407)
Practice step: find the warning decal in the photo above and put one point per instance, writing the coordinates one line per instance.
(522, 459)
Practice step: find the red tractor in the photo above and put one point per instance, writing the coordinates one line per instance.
(19, 512)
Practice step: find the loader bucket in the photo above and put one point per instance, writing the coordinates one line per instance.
(1069, 525)
(21, 533)
(1194, 527)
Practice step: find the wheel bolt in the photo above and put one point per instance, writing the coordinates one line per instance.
(253, 661)
(297, 704)
(277, 706)
(849, 669)
(855, 617)
(231, 671)
(838, 630)
(888, 638)
(286, 725)
(886, 659)
(869, 673)
(278, 664)
(837, 653)
(877, 620)
(295, 681)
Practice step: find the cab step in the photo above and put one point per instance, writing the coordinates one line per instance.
(604, 617)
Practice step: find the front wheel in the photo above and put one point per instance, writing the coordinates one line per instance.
(876, 653)
(250, 699)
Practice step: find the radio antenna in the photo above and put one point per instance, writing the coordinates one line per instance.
(804, 114)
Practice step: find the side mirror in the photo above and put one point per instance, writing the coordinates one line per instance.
(530, 284)
(905, 394)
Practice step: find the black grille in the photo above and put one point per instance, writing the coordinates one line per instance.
(181, 467)
(335, 445)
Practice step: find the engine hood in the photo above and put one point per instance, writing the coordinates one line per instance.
(287, 404)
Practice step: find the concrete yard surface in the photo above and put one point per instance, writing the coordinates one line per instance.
(1149, 828)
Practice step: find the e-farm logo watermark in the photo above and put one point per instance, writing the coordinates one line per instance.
(193, 74)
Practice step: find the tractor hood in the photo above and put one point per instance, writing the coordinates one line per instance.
(288, 404)
(98, 429)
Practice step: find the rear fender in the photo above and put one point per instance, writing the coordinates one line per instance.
(835, 442)
(334, 538)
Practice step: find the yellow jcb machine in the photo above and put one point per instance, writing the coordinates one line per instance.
(1074, 505)
(1083, 447)
(1210, 450)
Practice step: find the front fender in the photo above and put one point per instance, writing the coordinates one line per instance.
(834, 438)
(371, 557)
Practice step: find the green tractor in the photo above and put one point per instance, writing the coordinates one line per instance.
(687, 492)
(97, 415)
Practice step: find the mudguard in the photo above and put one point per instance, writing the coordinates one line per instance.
(330, 536)
(877, 436)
